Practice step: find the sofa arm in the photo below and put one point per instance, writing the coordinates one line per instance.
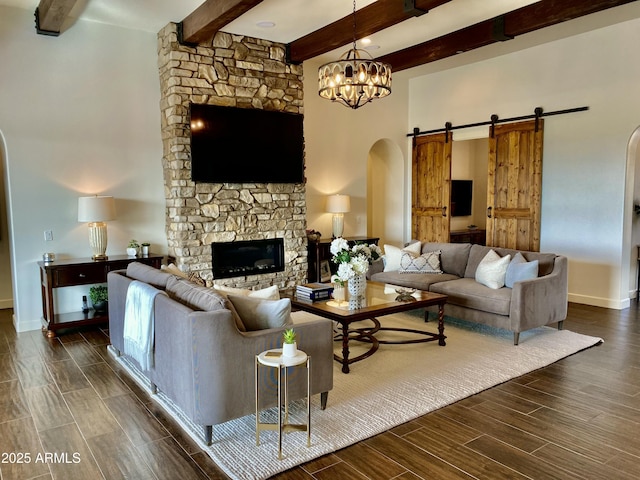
(117, 285)
(541, 301)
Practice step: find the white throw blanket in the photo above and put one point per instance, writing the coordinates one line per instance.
(139, 323)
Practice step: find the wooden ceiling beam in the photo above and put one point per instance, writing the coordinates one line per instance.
(203, 23)
(517, 22)
(51, 14)
(369, 20)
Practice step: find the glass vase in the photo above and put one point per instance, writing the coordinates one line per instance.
(338, 292)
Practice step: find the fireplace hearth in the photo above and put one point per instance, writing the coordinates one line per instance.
(247, 257)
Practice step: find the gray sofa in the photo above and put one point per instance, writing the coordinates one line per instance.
(202, 361)
(529, 304)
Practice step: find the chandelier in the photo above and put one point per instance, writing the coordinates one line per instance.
(353, 80)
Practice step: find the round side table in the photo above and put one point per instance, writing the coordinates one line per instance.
(275, 359)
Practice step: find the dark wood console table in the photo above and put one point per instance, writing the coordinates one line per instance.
(319, 251)
(79, 271)
(478, 236)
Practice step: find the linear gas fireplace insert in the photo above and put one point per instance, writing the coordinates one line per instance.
(247, 257)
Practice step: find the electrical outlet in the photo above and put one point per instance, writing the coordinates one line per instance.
(48, 235)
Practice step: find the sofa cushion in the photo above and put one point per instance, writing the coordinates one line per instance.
(260, 314)
(147, 274)
(392, 255)
(269, 293)
(453, 256)
(428, 262)
(466, 292)
(492, 270)
(519, 270)
(420, 281)
(195, 296)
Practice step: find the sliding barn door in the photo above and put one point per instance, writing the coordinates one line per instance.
(514, 191)
(431, 188)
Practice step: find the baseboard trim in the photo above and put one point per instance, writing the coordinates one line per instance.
(6, 303)
(600, 301)
(26, 326)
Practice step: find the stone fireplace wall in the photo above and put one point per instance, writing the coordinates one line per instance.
(231, 71)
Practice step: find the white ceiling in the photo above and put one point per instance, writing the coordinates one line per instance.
(293, 18)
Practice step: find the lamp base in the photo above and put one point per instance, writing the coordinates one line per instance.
(98, 240)
(338, 225)
(99, 258)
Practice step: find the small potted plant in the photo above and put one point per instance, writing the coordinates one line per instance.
(99, 297)
(289, 346)
(132, 248)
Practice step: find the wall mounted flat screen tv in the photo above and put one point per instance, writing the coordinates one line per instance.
(245, 145)
(461, 195)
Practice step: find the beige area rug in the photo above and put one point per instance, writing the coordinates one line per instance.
(397, 384)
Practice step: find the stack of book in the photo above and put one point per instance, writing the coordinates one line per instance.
(314, 291)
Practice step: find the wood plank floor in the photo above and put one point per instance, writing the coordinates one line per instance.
(576, 419)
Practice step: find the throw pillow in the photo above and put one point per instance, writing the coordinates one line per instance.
(519, 269)
(191, 276)
(173, 270)
(260, 314)
(492, 270)
(428, 262)
(392, 255)
(269, 293)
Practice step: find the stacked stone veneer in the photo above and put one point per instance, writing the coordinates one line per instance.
(232, 71)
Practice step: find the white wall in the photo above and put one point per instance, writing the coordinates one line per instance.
(80, 115)
(584, 153)
(337, 145)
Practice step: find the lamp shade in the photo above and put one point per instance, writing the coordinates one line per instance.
(338, 203)
(96, 209)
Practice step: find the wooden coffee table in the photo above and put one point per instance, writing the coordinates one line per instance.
(379, 300)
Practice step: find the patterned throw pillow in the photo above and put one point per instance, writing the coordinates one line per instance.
(428, 262)
(392, 255)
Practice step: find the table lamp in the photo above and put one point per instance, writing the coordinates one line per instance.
(97, 210)
(338, 205)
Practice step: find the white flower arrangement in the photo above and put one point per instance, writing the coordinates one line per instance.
(352, 261)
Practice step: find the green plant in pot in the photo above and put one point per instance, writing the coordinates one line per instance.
(289, 346)
(133, 248)
(99, 297)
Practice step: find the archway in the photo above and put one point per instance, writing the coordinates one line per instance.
(631, 224)
(6, 287)
(386, 192)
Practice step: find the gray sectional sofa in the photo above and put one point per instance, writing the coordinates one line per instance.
(529, 304)
(203, 362)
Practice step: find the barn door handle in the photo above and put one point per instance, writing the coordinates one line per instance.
(444, 211)
(489, 212)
